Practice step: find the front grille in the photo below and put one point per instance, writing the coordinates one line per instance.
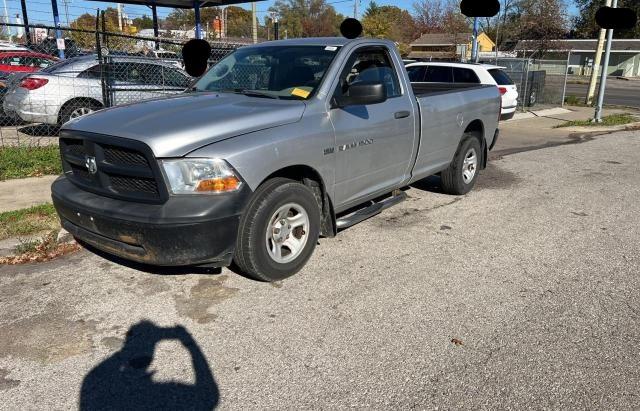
(115, 155)
(125, 168)
(133, 184)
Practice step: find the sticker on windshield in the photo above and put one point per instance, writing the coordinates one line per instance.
(331, 48)
(300, 92)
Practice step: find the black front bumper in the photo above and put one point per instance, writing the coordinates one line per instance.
(185, 230)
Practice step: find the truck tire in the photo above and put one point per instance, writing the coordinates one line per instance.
(278, 231)
(463, 171)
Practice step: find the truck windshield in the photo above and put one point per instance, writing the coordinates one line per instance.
(286, 72)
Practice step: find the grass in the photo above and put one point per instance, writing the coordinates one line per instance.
(20, 162)
(574, 101)
(28, 221)
(611, 120)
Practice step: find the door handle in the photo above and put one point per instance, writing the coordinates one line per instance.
(402, 114)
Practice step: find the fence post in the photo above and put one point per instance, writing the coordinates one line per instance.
(566, 77)
(56, 22)
(525, 71)
(25, 21)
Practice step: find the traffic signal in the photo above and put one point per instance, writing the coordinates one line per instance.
(480, 8)
(616, 18)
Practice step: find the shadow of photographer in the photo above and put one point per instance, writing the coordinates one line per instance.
(124, 381)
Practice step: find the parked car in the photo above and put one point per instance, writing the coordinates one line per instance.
(7, 46)
(445, 72)
(24, 61)
(275, 145)
(167, 56)
(73, 87)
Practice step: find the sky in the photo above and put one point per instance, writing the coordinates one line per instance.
(39, 11)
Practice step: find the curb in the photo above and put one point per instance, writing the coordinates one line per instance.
(8, 245)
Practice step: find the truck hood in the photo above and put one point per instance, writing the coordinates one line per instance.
(177, 125)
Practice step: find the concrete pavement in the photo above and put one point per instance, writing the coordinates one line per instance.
(25, 192)
(522, 294)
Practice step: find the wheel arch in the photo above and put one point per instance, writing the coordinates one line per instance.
(67, 103)
(476, 129)
(311, 178)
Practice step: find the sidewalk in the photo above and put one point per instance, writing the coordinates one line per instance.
(537, 128)
(25, 192)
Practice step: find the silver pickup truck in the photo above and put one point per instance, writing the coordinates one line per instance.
(276, 145)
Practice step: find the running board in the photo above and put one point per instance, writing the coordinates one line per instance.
(369, 211)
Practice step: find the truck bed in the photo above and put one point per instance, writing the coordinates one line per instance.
(429, 89)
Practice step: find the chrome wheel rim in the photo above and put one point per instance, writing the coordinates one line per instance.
(287, 233)
(469, 166)
(79, 112)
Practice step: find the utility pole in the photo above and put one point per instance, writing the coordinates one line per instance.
(66, 10)
(355, 8)
(474, 46)
(596, 65)
(6, 20)
(120, 16)
(254, 24)
(276, 26)
(603, 77)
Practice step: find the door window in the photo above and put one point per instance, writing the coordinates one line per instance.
(416, 73)
(463, 75)
(370, 65)
(439, 74)
(174, 78)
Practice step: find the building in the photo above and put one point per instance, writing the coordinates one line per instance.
(448, 46)
(624, 60)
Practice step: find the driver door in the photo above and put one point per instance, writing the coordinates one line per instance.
(374, 142)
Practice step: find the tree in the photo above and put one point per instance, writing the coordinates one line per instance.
(144, 22)
(390, 22)
(307, 18)
(585, 25)
(543, 22)
(439, 16)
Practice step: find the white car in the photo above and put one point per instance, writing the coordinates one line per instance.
(449, 72)
(73, 87)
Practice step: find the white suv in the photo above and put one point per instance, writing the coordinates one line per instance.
(447, 72)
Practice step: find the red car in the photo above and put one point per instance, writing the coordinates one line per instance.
(24, 61)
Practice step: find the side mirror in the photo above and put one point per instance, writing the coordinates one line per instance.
(362, 94)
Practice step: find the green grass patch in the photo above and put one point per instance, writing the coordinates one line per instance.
(20, 162)
(574, 101)
(607, 121)
(28, 221)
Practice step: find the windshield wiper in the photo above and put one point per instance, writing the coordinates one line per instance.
(246, 92)
(255, 93)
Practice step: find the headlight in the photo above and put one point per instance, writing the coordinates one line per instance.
(207, 176)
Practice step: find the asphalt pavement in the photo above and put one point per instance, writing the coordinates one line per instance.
(618, 92)
(523, 294)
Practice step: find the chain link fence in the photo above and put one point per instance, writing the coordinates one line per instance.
(39, 92)
(540, 82)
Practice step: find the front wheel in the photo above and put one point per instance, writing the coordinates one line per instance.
(278, 231)
(462, 173)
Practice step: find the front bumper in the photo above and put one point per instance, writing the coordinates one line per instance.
(186, 230)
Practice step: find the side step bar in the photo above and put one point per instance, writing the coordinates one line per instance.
(369, 211)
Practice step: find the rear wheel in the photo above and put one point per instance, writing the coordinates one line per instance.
(77, 108)
(278, 231)
(462, 173)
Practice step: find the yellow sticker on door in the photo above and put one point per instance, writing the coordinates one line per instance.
(300, 92)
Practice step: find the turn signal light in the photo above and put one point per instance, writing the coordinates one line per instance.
(219, 185)
(33, 83)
